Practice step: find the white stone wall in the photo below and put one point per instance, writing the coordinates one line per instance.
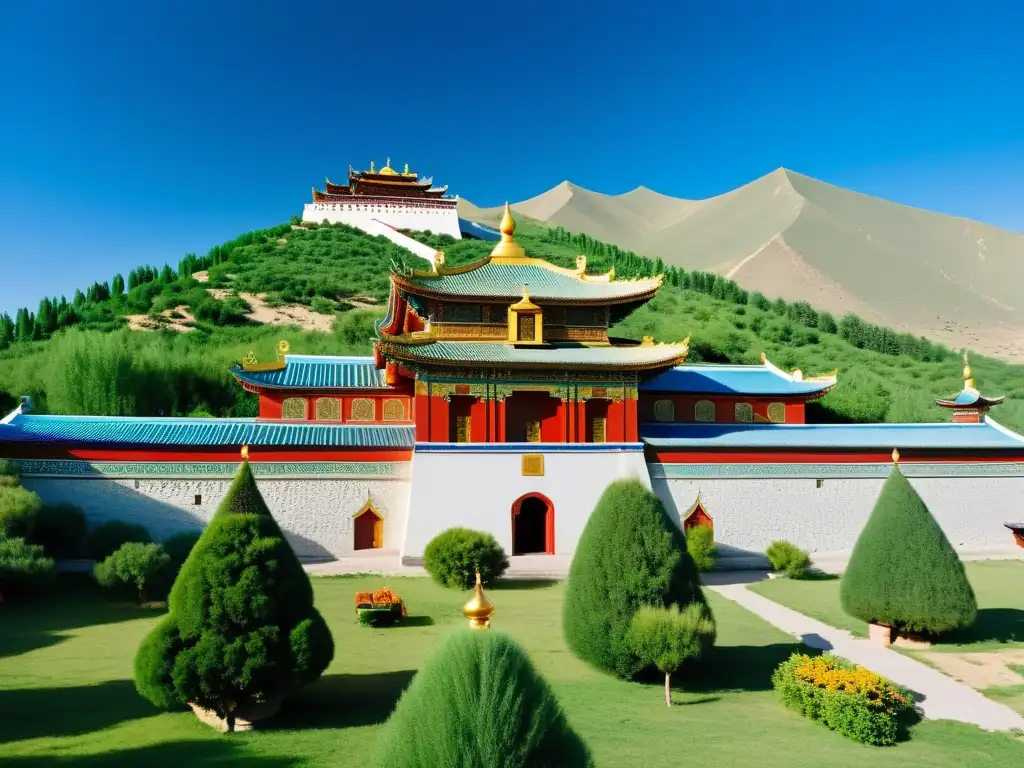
(315, 514)
(439, 220)
(475, 488)
(750, 513)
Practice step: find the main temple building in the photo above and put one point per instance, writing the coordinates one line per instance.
(497, 399)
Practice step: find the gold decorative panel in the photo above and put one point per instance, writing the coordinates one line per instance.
(533, 431)
(451, 331)
(362, 409)
(293, 409)
(743, 412)
(527, 328)
(328, 409)
(777, 413)
(462, 429)
(664, 410)
(533, 465)
(394, 410)
(598, 428)
(704, 410)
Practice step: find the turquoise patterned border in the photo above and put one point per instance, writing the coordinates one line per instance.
(826, 471)
(298, 469)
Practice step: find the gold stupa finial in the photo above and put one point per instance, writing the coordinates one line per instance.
(508, 248)
(371, 167)
(387, 163)
(405, 171)
(245, 453)
(478, 609)
(968, 375)
(895, 456)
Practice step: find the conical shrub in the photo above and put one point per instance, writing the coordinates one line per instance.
(478, 702)
(631, 554)
(241, 627)
(903, 571)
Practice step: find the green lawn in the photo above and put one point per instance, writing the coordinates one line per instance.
(66, 697)
(998, 585)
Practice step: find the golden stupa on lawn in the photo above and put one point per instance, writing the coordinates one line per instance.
(478, 609)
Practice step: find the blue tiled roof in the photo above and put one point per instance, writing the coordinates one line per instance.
(126, 431)
(318, 372)
(759, 380)
(986, 434)
(968, 397)
(479, 231)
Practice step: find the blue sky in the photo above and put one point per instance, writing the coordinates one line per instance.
(135, 132)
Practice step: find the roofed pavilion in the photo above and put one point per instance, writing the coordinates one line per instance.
(514, 349)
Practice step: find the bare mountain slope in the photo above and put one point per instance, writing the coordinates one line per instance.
(951, 279)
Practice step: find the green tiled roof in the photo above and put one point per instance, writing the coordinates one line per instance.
(565, 355)
(319, 372)
(505, 281)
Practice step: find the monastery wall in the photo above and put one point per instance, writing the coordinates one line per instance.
(437, 218)
(475, 486)
(822, 508)
(315, 509)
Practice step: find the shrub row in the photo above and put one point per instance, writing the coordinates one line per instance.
(845, 698)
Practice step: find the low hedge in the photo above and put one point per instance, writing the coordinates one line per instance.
(845, 698)
(453, 557)
(789, 559)
(24, 569)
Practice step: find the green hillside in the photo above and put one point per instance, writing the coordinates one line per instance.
(79, 357)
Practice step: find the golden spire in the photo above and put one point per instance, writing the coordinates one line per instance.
(406, 170)
(245, 453)
(895, 456)
(478, 609)
(371, 167)
(508, 248)
(968, 376)
(387, 163)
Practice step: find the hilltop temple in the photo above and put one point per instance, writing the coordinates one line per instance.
(394, 199)
(497, 399)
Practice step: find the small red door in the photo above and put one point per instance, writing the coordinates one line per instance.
(367, 531)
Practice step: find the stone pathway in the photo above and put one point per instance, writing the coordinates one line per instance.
(939, 697)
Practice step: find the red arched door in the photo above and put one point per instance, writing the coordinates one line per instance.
(369, 529)
(533, 525)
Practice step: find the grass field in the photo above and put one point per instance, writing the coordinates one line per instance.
(66, 696)
(998, 585)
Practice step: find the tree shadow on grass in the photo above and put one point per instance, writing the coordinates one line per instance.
(344, 701)
(32, 713)
(194, 754)
(511, 585)
(75, 601)
(1002, 625)
(415, 621)
(736, 668)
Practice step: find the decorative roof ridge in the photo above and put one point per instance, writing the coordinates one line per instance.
(362, 358)
(986, 419)
(191, 421)
(855, 426)
(797, 374)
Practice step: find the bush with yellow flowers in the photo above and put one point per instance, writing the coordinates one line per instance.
(845, 698)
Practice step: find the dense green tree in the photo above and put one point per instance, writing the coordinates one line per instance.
(117, 286)
(903, 571)
(241, 628)
(478, 702)
(668, 637)
(631, 554)
(7, 332)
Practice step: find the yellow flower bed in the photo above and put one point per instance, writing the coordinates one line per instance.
(822, 672)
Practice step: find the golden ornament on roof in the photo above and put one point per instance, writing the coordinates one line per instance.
(968, 375)
(245, 453)
(895, 456)
(508, 248)
(371, 167)
(478, 609)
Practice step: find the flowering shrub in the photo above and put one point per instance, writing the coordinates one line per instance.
(845, 698)
(379, 609)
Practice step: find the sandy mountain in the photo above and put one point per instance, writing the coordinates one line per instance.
(951, 279)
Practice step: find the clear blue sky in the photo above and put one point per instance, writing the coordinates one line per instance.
(134, 132)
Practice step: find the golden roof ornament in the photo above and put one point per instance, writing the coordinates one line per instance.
(968, 375)
(895, 456)
(478, 609)
(251, 363)
(405, 171)
(508, 248)
(581, 264)
(245, 453)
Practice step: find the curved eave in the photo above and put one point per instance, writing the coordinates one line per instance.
(968, 399)
(418, 289)
(253, 381)
(412, 353)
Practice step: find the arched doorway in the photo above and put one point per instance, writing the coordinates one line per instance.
(368, 529)
(533, 525)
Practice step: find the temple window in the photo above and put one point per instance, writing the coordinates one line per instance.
(704, 410)
(743, 412)
(664, 410)
(394, 410)
(293, 409)
(198, 500)
(362, 409)
(777, 413)
(328, 409)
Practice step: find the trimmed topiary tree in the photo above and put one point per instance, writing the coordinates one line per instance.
(903, 572)
(242, 632)
(631, 554)
(142, 567)
(454, 556)
(479, 701)
(667, 637)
